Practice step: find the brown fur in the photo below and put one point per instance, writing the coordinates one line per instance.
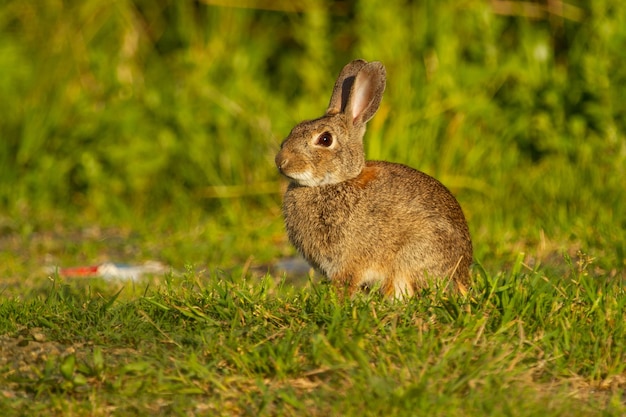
(366, 176)
(366, 223)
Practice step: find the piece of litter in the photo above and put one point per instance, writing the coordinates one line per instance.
(109, 270)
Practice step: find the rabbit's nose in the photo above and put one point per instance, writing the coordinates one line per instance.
(281, 162)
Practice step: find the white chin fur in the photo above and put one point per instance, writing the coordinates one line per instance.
(307, 179)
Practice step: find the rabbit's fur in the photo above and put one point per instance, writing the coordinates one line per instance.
(367, 223)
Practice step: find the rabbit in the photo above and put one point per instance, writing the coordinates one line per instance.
(368, 224)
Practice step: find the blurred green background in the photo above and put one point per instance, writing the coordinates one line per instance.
(160, 120)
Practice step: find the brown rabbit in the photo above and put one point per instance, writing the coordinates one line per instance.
(366, 223)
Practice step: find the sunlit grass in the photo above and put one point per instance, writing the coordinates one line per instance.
(522, 342)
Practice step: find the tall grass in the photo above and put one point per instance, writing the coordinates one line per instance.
(114, 111)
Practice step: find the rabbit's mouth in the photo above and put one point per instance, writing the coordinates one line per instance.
(309, 179)
(305, 178)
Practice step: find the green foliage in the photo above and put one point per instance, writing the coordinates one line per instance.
(119, 110)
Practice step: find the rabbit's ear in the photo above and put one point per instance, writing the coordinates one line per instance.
(343, 86)
(366, 93)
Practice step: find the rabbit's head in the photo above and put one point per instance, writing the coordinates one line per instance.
(329, 150)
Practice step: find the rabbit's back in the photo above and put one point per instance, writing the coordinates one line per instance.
(391, 224)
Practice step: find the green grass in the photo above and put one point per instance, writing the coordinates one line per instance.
(146, 130)
(519, 344)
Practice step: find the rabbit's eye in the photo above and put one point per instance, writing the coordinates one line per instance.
(325, 140)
